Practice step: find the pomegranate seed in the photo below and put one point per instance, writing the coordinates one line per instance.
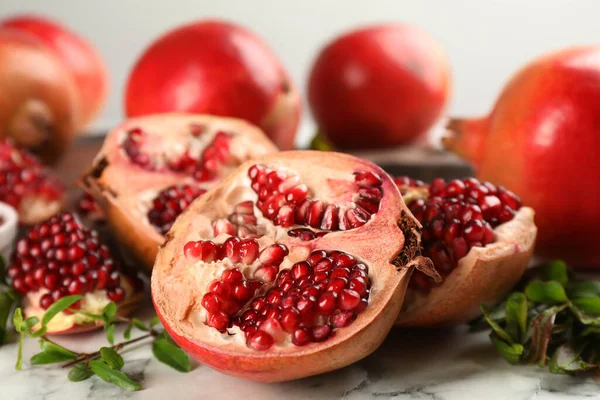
(367, 179)
(273, 254)
(327, 303)
(218, 320)
(357, 285)
(301, 211)
(301, 269)
(260, 341)
(46, 301)
(290, 320)
(117, 294)
(315, 214)
(320, 332)
(301, 337)
(285, 216)
(193, 250)
(223, 226)
(316, 256)
(342, 319)
(266, 273)
(336, 285)
(232, 276)
(330, 219)
(211, 302)
(348, 300)
(231, 249)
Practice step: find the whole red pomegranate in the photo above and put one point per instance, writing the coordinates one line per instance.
(219, 68)
(39, 106)
(480, 240)
(316, 284)
(378, 86)
(151, 168)
(539, 141)
(60, 257)
(78, 56)
(27, 186)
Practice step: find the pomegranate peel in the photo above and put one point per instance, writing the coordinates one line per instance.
(287, 327)
(480, 240)
(150, 168)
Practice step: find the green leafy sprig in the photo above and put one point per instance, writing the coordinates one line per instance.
(107, 362)
(551, 320)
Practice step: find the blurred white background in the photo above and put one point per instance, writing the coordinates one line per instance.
(486, 40)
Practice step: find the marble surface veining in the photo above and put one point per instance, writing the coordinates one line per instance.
(411, 364)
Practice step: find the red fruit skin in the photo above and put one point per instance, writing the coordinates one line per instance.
(540, 141)
(214, 67)
(77, 55)
(378, 86)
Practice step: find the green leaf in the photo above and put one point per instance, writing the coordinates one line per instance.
(583, 317)
(590, 330)
(116, 377)
(112, 358)
(110, 310)
(17, 319)
(52, 353)
(557, 271)
(139, 324)
(54, 348)
(28, 324)
(6, 304)
(110, 334)
(170, 354)
(541, 332)
(583, 289)
(80, 372)
(59, 306)
(545, 292)
(566, 359)
(510, 352)
(127, 333)
(590, 305)
(154, 321)
(516, 316)
(495, 326)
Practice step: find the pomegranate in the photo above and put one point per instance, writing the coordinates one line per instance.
(539, 142)
(378, 86)
(219, 68)
(88, 208)
(267, 304)
(78, 56)
(38, 101)
(151, 168)
(27, 186)
(60, 257)
(480, 239)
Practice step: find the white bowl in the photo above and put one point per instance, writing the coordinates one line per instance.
(8, 230)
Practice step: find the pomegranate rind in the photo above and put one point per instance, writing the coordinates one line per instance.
(484, 276)
(177, 289)
(116, 183)
(63, 324)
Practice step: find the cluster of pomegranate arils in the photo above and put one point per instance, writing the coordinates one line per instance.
(202, 168)
(62, 257)
(307, 301)
(169, 203)
(172, 201)
(22, 174)
(285, 201)
(456, 216)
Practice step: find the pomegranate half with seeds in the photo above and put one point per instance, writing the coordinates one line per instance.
(480, 239)
(151, 168)
(60, 257)
(27, 185)
(294, 265)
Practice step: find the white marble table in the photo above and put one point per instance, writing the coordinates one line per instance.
(415, 364)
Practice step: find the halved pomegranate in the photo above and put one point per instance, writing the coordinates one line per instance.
(27, 186)
(60, 257)
(295, 265)
(151, 168)
(480, 240)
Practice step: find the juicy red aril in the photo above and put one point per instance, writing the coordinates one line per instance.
(283, 199)
(66, 267)
(23, 176)
(456, 216)
(307, 301)
(169, 203)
